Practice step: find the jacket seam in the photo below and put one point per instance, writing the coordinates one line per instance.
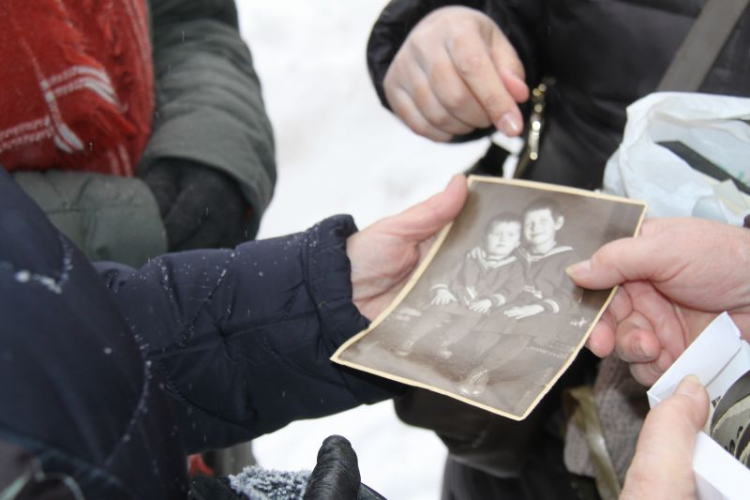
(185, 333)
(176, 393)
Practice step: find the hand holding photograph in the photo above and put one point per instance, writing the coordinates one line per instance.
(490, 317)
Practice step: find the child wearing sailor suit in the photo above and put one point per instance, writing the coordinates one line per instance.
(473, 289)
(546, 302)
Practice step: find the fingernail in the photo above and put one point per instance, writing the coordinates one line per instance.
(578, 270)
(689, 386)
(509, 124)
(456, 176)
(518, 77)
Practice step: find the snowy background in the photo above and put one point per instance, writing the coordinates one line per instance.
(339, 151)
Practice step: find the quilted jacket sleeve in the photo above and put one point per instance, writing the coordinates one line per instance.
(522, 21)
(107, 217)
(244, 337)
(209, 107)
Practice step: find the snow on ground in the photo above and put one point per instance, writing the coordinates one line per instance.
(339, 151)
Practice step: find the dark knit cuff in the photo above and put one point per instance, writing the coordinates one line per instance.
(328, 275)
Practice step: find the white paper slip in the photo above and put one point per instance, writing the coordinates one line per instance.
(718, 357)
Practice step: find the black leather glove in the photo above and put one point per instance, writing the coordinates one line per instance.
(336, 475)
(202, 207)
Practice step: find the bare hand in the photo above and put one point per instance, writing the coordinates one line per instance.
(456, 72)
(676, 277)
(481, 306)
(524, 311)
(477, 253)
(384, 254)
(443, 297)
(663, 463)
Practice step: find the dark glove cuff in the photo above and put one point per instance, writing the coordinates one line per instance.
(328, 277)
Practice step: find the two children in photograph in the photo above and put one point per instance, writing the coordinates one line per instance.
(506, 286)
(496, 324)
(524, 322)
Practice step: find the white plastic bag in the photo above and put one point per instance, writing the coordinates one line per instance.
(715, 127)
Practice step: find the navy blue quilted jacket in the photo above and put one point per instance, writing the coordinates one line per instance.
(110, 375)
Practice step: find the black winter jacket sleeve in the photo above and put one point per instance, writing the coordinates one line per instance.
(243, 338)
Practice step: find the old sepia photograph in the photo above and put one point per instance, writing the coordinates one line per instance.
(490, 317)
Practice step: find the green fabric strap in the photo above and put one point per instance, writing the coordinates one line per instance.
(585, 417)
(702, 45)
